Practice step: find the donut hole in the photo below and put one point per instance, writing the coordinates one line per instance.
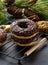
(22, 24)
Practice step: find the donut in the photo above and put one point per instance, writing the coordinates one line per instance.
(3, 36)
(23, 32)
(31, 15)
(15, 11)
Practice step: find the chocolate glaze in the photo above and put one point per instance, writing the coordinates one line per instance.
(23, 27)
(15, 11)
(24, 41)
(31, 15)
(2, 35)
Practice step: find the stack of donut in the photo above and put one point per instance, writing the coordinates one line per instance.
(24, 32)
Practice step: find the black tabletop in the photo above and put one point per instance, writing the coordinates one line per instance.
(39, 57)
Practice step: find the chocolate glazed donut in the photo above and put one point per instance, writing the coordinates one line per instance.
(24, 31)
(15, 11)
(3, 36)
(31, 15)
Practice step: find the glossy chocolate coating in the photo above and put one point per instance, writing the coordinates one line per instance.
(31, 15)
(15, 11)
(24, 41)
(3, 35)
(23, 27)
